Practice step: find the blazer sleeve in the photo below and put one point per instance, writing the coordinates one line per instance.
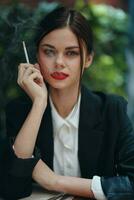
(121, 187)
(17, 172)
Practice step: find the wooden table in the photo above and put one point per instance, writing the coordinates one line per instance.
(42, 194)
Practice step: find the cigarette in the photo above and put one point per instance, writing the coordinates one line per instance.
(25, 52)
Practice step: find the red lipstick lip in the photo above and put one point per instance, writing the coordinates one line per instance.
(59, 75)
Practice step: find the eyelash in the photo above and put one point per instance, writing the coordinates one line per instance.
(50, 53)
(72, 53)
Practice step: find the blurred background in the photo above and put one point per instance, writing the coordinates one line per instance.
(112, 20)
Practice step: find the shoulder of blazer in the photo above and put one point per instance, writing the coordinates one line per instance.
(101, 101)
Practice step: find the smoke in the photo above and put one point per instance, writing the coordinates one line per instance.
(15, 28)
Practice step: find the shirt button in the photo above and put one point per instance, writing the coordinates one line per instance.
(67, 146)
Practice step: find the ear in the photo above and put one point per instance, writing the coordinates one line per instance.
(89, 60)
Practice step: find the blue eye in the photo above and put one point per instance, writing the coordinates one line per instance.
(49, 52)
(72, 53)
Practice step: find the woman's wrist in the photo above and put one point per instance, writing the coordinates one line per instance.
(74, 186)
(40, 103)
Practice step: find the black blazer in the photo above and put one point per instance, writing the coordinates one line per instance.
(105, 140)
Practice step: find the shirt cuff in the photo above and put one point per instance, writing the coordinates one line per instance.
(97, 188)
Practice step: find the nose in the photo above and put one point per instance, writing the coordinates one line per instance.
(59, 61)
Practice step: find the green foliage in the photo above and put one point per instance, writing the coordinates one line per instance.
(108, 71)
(18, 23)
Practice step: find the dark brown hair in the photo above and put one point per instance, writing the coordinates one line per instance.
(78, 24)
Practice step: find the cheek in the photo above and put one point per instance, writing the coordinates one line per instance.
(74, 65)
(45, 64)
(44, 71)
(43, 61)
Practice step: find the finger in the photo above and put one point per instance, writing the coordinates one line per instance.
(25, 65)
(29, 71)
(26, 80)
(37, 77)
(37, 66)
(21, 70)
(22, 67)
(20, 73)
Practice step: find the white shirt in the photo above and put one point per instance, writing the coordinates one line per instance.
(66, 147)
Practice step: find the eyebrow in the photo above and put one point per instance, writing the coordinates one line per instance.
(51, 46)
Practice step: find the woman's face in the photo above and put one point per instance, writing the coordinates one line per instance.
(59, 59)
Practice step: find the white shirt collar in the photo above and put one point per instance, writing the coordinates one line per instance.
(71, 119)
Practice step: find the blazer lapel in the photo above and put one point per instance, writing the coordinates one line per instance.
(90, 133)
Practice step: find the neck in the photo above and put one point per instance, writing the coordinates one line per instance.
(64, 101)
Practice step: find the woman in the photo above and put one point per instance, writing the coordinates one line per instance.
(83, 142)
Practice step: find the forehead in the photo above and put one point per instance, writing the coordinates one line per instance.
(61, 37)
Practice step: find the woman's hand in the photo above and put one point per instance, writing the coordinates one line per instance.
(31, 81)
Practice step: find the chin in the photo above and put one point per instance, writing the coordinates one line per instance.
(59, 86)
